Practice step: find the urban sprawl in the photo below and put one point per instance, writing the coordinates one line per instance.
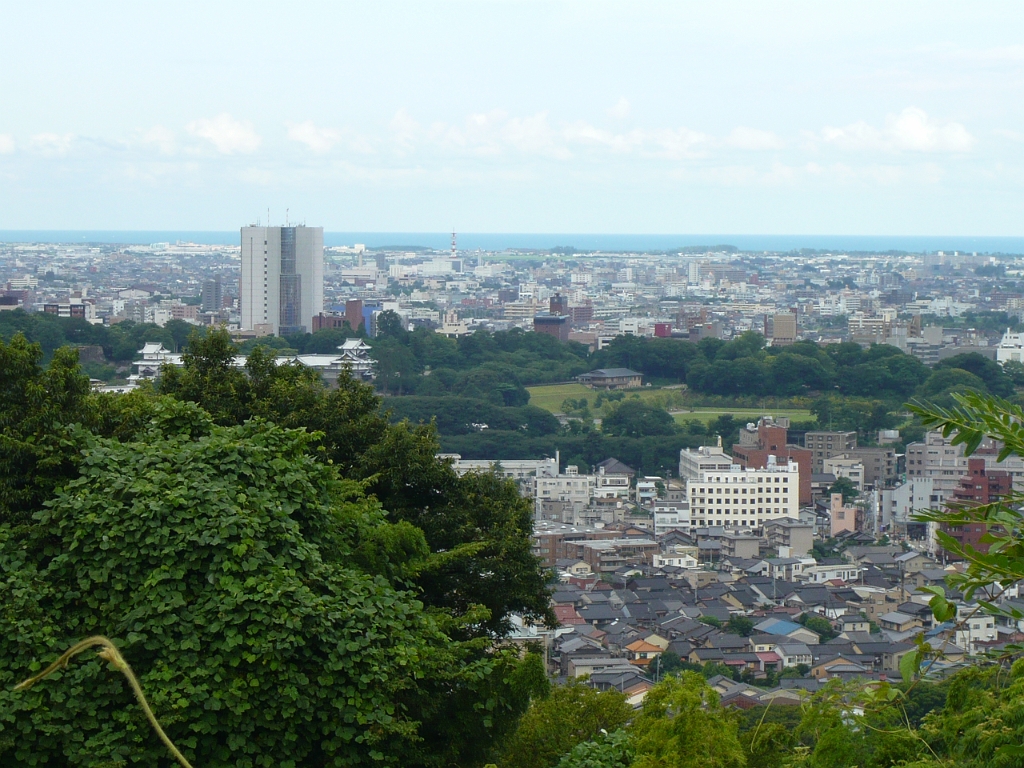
(791, 543)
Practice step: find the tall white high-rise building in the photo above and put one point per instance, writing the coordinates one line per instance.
(282, 280)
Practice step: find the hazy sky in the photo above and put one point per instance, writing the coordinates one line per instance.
(678, 117)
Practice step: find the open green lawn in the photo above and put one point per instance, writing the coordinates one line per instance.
(550, 396)
(742, 414)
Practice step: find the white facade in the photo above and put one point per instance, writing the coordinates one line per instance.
(571, 486)
(282, 279)
(514, 469)
(1011, 348)
(899, 504)
(819, 574)
(974, 629)
(647, 489)
(851, 469)
(745, 498)
(692, 463)
(674, 560)
(671, 515)
(610, 486)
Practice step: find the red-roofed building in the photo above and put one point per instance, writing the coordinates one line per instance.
(567, 616)
(641, 653)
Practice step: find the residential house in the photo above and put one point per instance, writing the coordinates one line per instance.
(793, 654)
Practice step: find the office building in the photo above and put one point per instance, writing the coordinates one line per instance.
(937, 458)
(282, 280)
(826, 444)
(783, 329)
(552, 325)
(694, 462)
(213, 295)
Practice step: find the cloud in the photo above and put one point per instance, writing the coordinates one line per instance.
(753, 139)
(911, 130)
(319, 140)
(621, 109)
(51, 144)
(226, 134)
(586, 134)
(533, 135)
(493, 133)
(160, 137)
(404, 129)
(6, 144)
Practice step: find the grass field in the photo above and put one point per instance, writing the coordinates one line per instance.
(741, 414)
(550, 398)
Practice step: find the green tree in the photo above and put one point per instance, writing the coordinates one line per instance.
(606, 751)
(40, 407)
(946, 380)
(726, 427)
(682, 725)
(819, 624)
(844, 486)
(481, 524)
(827, 732)
(210, 378)
(573, 713)
(767, 745)
(1015, 370)
(635, 418)
(740, 625)
(259, 599)
(180, 332)
(997, 381)
(391, 326)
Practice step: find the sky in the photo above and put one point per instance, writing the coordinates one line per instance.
(871, 118)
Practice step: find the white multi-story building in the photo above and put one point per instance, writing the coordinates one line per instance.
(851, 469)
(570, 486)
(745, 498)
(519, 470)
(693, 462)
(974, 628)
(282, 281)
(610, 486)
(1011, 348)
(671, 516)
(938, 459)
(898, 505)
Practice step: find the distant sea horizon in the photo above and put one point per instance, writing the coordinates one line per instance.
(496, 241)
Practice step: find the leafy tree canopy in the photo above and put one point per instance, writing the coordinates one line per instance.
(261, 601)
(635, 418)
(573, 713)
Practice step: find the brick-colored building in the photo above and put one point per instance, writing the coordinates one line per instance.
(979, 486)
(769, 439)
(552, 325)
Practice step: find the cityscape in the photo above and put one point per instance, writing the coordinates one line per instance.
(578, 384)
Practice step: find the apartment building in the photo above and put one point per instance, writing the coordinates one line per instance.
(826, 444)
(745, 497)
(795, 537)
